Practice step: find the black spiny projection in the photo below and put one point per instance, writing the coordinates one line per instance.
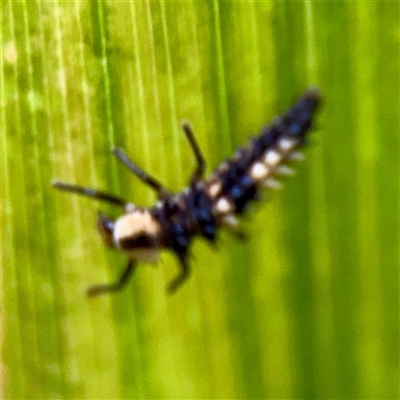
(206, 204)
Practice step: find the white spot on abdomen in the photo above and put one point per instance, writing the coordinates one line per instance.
(214, 189)
(259, 171)
(224, 206)
(287, 144)
(272, 158)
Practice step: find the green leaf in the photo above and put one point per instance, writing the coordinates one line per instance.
(307, 307)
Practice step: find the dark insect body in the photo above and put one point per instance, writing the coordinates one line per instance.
(206, 204)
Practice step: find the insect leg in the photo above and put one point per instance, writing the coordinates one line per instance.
(201, 163)
(95, 290)
(143, 176)
(185, 272)
(89, 192)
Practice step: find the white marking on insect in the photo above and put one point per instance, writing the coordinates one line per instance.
(223, 206)
(284, 170)
(259, 171)
(230, 221)
(297, 156)
(130, 207)
(215, 189)
(272, 183)
(272, 157)
(287, 144)
(200, 184)
(223, 167)
(135, 223)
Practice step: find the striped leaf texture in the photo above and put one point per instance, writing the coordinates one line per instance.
(306, 307)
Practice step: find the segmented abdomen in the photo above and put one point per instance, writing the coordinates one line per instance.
(238, 180)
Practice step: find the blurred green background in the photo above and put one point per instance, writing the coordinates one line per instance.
(307, 307)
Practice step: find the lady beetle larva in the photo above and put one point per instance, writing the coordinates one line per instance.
(206, 204)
